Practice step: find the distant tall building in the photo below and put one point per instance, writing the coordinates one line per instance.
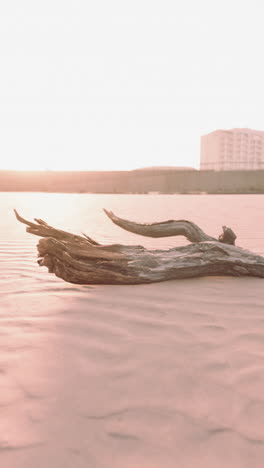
(236, 149)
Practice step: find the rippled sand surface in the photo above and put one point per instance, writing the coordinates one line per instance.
(154, 376)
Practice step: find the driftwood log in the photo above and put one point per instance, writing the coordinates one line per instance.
(82, 260)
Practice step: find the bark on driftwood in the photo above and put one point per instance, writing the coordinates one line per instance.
(181, 227)
(82, 260)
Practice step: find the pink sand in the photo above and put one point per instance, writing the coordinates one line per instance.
(154, 376)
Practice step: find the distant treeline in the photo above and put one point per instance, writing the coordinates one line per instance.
(162, 181)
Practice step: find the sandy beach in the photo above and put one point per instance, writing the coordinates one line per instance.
(159, 375)
(116, 114)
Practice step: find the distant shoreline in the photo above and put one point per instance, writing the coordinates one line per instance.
(152, 181)
(134, 193)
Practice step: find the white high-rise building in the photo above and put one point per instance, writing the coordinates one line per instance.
(235, 149)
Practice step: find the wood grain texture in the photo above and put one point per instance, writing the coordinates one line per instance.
(82, 260)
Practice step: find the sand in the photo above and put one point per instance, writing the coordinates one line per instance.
(152, 376)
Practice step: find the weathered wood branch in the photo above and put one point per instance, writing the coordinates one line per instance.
(43, 229)
(82, 260)
(170, 228)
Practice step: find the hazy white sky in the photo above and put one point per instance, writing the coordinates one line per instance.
(101, 85)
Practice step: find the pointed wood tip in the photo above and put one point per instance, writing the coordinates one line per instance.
(23, 220)
(108, 213)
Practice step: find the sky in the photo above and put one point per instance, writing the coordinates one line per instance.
(118, 85)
